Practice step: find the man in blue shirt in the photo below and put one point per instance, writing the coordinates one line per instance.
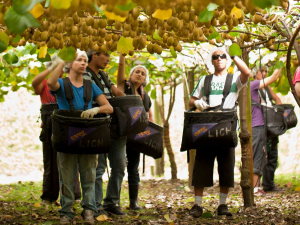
(67, 163)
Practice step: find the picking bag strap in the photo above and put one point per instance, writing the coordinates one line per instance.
(269, 94)
(96, 79)
(207, 87)
(146, 101)
(131, 87)
(69, 91)
(227, 87)
(107, 83)
(87, 92)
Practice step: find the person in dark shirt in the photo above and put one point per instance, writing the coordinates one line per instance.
(97, 61)
(258, 131)
(138, 79)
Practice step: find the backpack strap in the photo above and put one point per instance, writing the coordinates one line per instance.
(96, 79)
(255, 103)
(207, 87)
(131, 87)
(227, 87)
(69, 92)
(269, 94)
(262, 94)
(107, 83)
(146, 101)
(87, 92)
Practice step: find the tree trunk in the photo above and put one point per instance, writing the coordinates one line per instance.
(246, 143)
(167, 145)
(159, 170)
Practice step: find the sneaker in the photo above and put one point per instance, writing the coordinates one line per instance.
(114, 209)
(223, 210)
(88, 217)
(65, 220)
(273, 189)
(196, 211)
(259, 193)
(102, 212)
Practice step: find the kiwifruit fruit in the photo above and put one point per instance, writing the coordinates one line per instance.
(108, 37)
(135, 12)
(115, 37)
(102, 32)
(150, 48)
(76, 18)
(118, 25)
(102, 23)
(126, 33)
(69, 22)
(96, 24)
(103, 48)
(74, 30)
(89, 21)
(90, 31)
(132, 34)
(126, 26)
(85, 41)
(52, 27)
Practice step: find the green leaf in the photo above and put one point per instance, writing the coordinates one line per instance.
(113, 69)
(51, 50)
(234, 34)
(3, 46)
(156, 36)
(33, 51)
(4, 38)
(128, 6)
(211, 7)
(67, 54)
(46, 59)
(48, 223)
(207, 215)
(153, 93)
(24, 6)
(16, 38)
(125, 45)
(279, 65)
(205, 15)
(214, 34)
(235, 49)
(11, 58)
(97, 8)
(47, 4)
(265, 3)
(18, 23)
(173, 52)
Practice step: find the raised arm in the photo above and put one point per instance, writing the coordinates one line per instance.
(121, 73)
(297, 88)
(37, 82)
(151, 117)
(269, 80)
(243, 68)
(116, 91)
(275, 97)
(53, 78)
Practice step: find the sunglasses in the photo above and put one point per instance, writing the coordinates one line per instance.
(222, 56)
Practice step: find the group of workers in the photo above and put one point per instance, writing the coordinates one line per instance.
(64, 176)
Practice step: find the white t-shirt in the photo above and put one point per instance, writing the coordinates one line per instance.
(217, 86)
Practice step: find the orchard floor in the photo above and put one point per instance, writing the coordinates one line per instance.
(164, 202)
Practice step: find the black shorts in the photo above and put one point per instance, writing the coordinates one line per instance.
(204, 166)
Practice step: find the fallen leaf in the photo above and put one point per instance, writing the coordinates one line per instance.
(37, 204)
(7, 217)
(187, 189)
(297, 189)
(102, 218)
(289, 184)
(167, 217)
(35, 215)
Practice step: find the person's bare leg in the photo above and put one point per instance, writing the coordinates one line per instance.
(255, 180)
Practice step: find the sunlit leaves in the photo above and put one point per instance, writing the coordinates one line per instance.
(4, 38)
(37, 10)
(125, 45)
(61, 4)
(24, 6)
(235, 49)
(112, 16)
(17, 23)
(16, 38)
(207, 14)
(162, 14)
(128, 6)
(43, 52)
(173, 52)
(237, 12)
(156, 36)
(265, 3)
(11, 58)
(67, 54)
(279, 64)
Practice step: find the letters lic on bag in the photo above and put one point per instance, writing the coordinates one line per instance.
(148, 142)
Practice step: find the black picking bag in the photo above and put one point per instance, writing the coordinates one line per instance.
(46, 112)
(289, 116)
(276, 124)
(209, 129)
(129, 116)
(212, 127)
(148, 142)
(75, 135)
